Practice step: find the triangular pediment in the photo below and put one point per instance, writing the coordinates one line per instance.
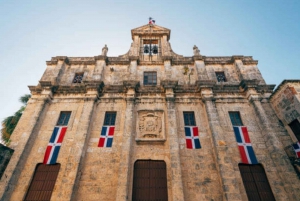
(151, 29)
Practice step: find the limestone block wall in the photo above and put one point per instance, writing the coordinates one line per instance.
(200, 176)
(273, 168)
(286, 101)
(69, 153)
(99, 174)
(229, 70)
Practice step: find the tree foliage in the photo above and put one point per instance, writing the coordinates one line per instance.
(9, 123)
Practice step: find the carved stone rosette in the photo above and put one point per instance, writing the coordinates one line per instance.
(150, 126)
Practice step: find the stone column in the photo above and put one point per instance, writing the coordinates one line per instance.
(129, 130)
(278, 156)
(23, 136)
(222, 156)
(172, 137)
(76, 154)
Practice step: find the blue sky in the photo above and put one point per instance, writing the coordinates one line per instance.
(31, 32)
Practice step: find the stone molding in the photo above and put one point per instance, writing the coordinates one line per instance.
(67, 89)
(169, 83)
(281, 86)
(175, 60)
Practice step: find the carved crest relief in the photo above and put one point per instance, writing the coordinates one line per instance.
(149, 125)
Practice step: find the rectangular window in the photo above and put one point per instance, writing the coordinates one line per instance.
(78, 78)
(43, 182)
(295, 126)
(235, 118)
(150, 78)
(189, 119)
(110, 118)
(221, 77)
(63, 118)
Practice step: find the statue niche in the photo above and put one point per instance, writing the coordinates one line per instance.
(150, 125)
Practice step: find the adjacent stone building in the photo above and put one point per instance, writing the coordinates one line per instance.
(143, 104)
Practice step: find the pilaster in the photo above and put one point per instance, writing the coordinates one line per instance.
(172, 136)
(223, 161)
(280, 160)
(99, 67)
(127, 140)
(22, 141)
(74, 162)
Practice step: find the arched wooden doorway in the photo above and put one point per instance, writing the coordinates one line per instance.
(149, 181)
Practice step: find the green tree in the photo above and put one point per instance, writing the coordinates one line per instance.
(9, 123)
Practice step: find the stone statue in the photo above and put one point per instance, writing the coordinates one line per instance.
(196, 51)
(104, 50)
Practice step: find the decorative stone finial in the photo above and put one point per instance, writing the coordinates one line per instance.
(104, 50)
(196, 51)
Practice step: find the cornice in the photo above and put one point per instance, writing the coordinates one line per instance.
(247, 60)
(282, 85)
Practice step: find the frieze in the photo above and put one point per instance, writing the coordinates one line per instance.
(150, 126)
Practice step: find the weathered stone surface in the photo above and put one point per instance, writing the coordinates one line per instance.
(150, 126)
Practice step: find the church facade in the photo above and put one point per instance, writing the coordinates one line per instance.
(151, 125)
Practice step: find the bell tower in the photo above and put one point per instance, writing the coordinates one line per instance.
(150, 43)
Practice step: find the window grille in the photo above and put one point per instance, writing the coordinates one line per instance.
(235, 119)
(221, 77)
(189, 119)
(43, 181)
(256, 182)
(110, 118)
(78, 78)
(295, 126)
(150, 78)
(63, 119)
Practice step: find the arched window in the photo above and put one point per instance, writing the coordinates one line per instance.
(256, 182)
(149, 181)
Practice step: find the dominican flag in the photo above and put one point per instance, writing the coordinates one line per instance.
(192, 137)
(54, 145)
(245, 146)
(151, 21)
(297, 149)
(107, 136)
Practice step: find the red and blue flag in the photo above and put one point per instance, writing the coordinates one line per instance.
(151, 20)
(54, 144)
(297, 149)
(245, 146)
(192, 137)
(107, 136)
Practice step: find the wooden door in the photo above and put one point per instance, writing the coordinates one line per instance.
(43, 182)
(150, 181)
(256, 182)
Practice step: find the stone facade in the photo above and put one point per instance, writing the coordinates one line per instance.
(150, 125)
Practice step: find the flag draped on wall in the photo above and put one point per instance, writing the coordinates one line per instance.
(107, 136)
(192, 137)
(245, 146)
(297, 149)
(54, 144)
